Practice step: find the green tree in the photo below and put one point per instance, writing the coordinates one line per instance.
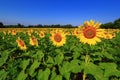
(110, 25)
(20, 25)
(107, 25)
(1, 25)
(117, 23)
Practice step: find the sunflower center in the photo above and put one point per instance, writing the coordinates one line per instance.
(89, 32)
(77, 32)
(34, 39)
(41, 34)
(108, 37)
(57, 37)
(21, 43)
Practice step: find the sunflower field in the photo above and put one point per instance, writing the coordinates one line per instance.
(84, 53)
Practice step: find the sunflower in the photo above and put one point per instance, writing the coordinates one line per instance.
(14, 32)
(109, 35)
(33, 41)
(42, 34)
(58, 38)
(68, 32)
(90, 32)
(21, 44)
(9, 32)
(76, 32)
(30, 31)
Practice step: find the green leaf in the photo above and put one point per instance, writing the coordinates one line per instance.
(33, 67)
(75, 67)
(58, 77)
(99, 54)
(53, 75)
(26, 54)
(50, 60)
(72, 47)
(69, 67)
(58, 51)
(76, 55)
(67, 76)
(3, 74)
(43, 75)
(22, 75)
(93, 69)
(39, 55)
(94, 47)
(110, 69)
(59, 58)
(65, 68)
(108, 55)
(24, 64)
(4, 57)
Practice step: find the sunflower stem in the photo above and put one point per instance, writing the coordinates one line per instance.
(84, 75)
(87, 59)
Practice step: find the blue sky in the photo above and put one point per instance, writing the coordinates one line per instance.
(75, 12)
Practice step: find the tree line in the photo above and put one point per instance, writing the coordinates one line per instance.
(37, 26)
(110, 25)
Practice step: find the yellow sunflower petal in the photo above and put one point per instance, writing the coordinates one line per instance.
(91, 23)
(97, 25)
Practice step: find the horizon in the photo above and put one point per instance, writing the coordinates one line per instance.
(48, 12)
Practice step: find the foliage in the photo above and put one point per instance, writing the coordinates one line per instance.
(112, 25)
(48, 62)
